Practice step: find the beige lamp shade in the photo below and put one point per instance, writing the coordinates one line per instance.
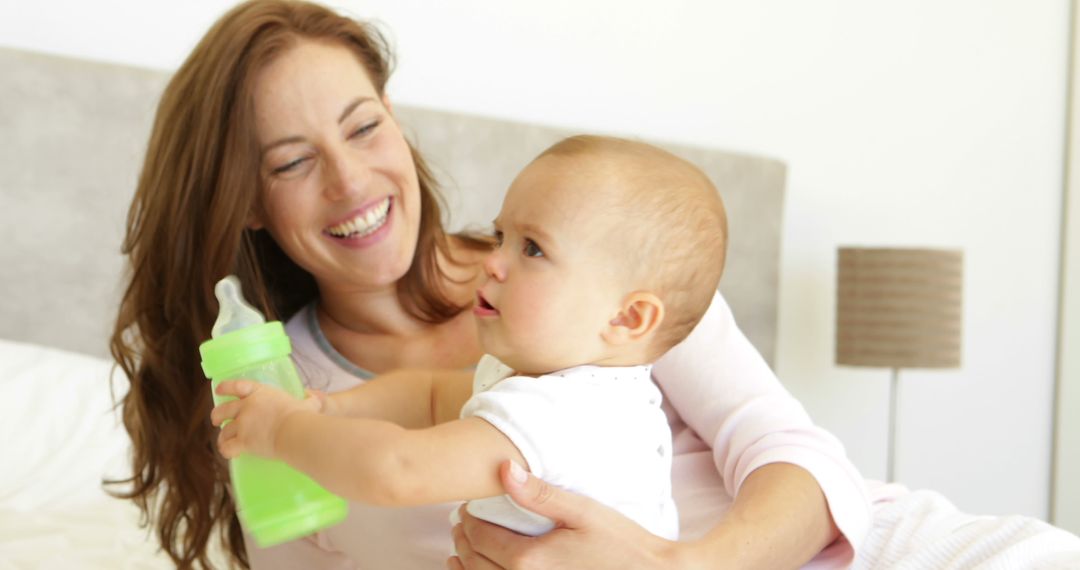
(899, 308)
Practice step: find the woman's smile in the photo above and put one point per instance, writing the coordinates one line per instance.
(364, 226)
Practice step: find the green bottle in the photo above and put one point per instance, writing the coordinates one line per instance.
(275, 502)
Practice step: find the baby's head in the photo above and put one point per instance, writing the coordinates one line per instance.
(609, 252)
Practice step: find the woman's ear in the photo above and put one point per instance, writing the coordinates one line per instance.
(254, 220)
(637, 320)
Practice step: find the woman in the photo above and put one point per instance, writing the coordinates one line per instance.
(275, 156)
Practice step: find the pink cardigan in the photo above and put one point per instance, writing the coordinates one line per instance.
(728, 413)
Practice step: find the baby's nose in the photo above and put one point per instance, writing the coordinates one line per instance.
(494, 266)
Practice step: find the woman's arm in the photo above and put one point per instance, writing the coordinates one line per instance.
(722, 388)
(590, 535)
(779, 520)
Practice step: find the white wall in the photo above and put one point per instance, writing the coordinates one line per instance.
(928, 123)
(1066, 492)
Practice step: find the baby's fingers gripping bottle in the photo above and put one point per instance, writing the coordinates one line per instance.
(275, 502)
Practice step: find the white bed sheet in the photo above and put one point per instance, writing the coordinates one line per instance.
(61, 436)
(922, 529)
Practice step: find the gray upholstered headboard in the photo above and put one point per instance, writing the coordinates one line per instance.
(73, 133)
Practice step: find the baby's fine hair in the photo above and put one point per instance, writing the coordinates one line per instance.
(672, 233)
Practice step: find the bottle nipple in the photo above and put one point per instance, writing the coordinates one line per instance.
(234, 313)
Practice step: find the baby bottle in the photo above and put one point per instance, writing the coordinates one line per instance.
(275, 502)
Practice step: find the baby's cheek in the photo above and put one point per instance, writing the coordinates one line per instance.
(553, 341)
(544, 323)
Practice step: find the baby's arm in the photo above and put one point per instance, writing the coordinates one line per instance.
(368, 460)
(411, 398)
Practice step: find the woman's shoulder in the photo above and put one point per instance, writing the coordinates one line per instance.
(319, 364)
(296, 327)
(304, 338)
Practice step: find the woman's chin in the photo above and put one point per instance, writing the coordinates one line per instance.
(381, 276)
(385, 265)
(357, 276)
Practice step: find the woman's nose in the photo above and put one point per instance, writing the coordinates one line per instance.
(495, 265)
(345, 175)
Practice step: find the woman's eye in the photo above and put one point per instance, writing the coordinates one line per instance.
(288, 166)
(364, 130)
(531, 249)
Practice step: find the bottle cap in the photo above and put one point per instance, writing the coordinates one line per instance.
(234, 312)
(241, 337)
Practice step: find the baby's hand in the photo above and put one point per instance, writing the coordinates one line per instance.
(256, 415)
(322, 401)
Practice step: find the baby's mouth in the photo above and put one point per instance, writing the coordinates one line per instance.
(483, 303)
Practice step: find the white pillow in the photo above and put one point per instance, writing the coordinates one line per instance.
(61, 435)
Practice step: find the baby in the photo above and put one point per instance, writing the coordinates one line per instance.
(608, 252)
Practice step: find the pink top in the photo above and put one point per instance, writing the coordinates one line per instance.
(718, 393)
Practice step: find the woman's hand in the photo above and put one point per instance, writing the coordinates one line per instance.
(587, 534)
(251, 421)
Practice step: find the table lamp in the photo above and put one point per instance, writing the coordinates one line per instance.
(898, 308)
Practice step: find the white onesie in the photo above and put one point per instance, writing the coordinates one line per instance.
(594, 430)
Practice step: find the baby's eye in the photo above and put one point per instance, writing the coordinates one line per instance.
(498, 238)
(531, 249)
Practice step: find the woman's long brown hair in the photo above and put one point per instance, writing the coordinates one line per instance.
(187, 229)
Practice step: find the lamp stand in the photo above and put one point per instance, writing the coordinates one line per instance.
(894, 388)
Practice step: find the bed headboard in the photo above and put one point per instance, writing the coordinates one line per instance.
(73, 137)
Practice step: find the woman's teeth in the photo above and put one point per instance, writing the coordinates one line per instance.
(364, 223)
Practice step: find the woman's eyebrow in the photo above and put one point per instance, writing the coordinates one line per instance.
(280, 142)
(352, 107)
(297, 138)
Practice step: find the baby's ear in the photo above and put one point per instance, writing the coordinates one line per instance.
(637, 320)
